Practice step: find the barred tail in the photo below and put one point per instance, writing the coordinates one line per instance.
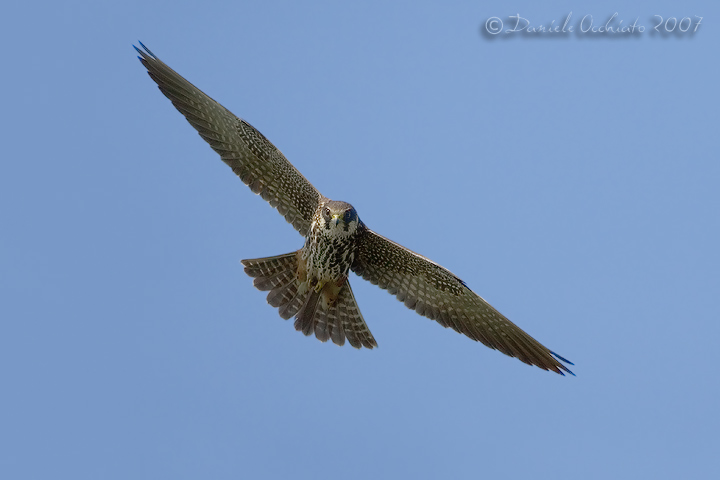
(331, 313)
(279, 275)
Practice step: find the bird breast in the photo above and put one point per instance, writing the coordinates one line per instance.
(328, 257)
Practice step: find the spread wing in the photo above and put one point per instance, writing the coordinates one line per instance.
(434, 292)
(252, 157)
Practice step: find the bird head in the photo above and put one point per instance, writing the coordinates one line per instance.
(339, 217)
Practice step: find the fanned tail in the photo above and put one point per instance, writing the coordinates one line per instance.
(340, 318)
(331, 314)
(278, 275)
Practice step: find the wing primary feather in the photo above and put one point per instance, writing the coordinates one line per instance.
(242, 147)
(434, 292)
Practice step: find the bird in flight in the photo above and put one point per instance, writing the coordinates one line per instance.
(311, 284)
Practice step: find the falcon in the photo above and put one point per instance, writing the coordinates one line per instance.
(311, 284)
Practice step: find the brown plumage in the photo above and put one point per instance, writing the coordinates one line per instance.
(312, 284)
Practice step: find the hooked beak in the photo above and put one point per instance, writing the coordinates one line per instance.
(335, 219)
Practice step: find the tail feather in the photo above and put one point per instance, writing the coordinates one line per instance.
(337, 333)
(273, 282)
(349, 332)
(272, 272)
(327, 320)
(281, 295)
(353, 323)
(342, 319)
(293, 306)
(305, 319)
(325, 327)
(331, 314)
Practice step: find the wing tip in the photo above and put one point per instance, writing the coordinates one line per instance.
(146, 51)
(563, 367)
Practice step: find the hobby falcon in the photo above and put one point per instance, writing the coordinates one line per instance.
(311, 284)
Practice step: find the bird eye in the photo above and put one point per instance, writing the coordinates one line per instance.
(327, 212)
(348, 215)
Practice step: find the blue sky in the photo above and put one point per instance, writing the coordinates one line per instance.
(571, 180)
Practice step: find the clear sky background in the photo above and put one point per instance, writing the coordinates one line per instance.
(571, 180)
